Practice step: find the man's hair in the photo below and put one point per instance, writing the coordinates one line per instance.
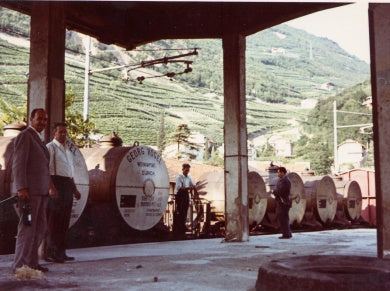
(185, 166)
(35, 110)
(282, 169)
(57, 124)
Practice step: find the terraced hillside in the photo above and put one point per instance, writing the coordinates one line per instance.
(284, 66)
(132, 109)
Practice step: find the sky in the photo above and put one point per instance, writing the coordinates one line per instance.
(346, 25)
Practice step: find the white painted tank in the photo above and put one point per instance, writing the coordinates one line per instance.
(214, 190)
(135, 179)
(322, 197)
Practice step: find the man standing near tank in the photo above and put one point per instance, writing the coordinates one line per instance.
(60, 207)
(184, 184)
(30, 170)
(282, 194)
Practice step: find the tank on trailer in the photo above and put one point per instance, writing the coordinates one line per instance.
(129, 189)
(321, 197)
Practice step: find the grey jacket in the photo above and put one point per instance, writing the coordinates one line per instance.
(30, 167)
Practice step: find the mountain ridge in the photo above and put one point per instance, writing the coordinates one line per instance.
(282, 67)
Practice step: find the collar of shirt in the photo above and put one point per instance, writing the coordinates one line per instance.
(57, 143)
(40, 134)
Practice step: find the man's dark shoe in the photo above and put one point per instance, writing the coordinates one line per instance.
(54, 259)
(285, 237)
(67, 258)
(41, 268)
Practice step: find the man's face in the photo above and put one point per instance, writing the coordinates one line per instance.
(39, 121)
(186, 171)
(60, 133)
(280, 174)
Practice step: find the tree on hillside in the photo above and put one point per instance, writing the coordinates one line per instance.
(215, 159)
(316, 151)
(78, 129)
(267, 150)
(181, 137)
(11, 113)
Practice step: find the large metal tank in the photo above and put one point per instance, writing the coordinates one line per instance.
(6, 152)
(298, 198)
(8, 218)
(81, 179)
(321, 197)
(351, 198)
(214, 190)
(257, 198)
(133, 180)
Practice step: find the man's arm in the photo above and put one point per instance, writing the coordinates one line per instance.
(76, 192)
(53, 193)
(178, 184)
(51, 161)
(19, 164)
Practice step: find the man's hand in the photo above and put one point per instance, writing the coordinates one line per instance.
(53, 192)
(77, 194)
(23, 194)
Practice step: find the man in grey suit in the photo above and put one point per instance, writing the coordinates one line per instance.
(30, 170)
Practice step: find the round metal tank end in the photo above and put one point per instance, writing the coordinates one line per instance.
(322, 273)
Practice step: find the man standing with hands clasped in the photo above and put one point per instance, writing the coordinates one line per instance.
(30, 169)
(184, 184)
(60, 207)
(282, 194)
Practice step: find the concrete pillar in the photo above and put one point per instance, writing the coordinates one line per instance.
(379, 17)
(236, 156)
(46, 85)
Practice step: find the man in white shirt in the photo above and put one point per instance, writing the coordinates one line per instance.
(184, 184)
(62, 172)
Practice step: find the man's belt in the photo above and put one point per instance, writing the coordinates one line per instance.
(61, 177)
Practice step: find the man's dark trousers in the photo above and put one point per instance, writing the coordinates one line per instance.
(182, 202)
(59, 212)
(284, 219)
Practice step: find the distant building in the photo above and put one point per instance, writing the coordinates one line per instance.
(199, 141)
(196, 139)
(252, 152)
(278, 50)
(351, 153)
(309, 103)
(283, 146)
(262, 166)
(328, 86)
(368, 102)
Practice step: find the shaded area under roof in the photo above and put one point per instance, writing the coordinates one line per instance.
(130, 24)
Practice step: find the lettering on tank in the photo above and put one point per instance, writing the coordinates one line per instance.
(135, 153)
(152, 153)
(140, 151)
(71, 147)
(146, 168)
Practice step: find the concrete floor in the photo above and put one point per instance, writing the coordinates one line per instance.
(203, 264)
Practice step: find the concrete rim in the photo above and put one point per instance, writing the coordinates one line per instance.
(325, 273)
